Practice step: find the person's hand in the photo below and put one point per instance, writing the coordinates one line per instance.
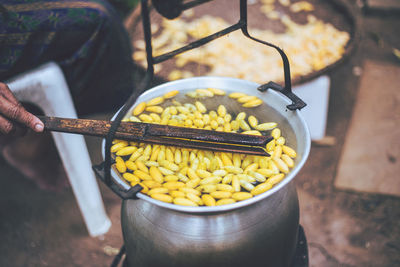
(13, 113)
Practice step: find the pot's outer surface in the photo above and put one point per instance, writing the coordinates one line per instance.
(261, 230)
(262, 234)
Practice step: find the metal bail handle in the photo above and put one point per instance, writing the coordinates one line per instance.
(121, 192)
(297, 102)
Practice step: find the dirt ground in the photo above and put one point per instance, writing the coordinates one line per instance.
(343, 228)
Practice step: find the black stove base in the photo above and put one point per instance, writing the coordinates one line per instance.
(300, 259)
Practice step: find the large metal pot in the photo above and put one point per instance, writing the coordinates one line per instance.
(261, 231)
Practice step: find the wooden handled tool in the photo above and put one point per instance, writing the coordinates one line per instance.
(163, 135)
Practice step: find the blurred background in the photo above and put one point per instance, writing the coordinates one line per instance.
(345, 65)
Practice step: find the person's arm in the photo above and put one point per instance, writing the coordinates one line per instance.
(11, 111)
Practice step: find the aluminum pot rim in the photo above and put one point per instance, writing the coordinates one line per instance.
(216, 209)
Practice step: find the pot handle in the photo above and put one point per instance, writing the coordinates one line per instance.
(117, 189)
(297, 102)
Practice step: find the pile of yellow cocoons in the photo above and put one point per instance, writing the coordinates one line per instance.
(192, 177)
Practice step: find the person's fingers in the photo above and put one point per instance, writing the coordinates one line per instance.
(16, 112)
(6, 92)
(6, 127)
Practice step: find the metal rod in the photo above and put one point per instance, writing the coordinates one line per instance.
(198, 43)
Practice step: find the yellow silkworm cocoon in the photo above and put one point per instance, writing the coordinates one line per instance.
(241, 116)
(247, 98)
(171, 94)
(281, 165)
(175, 194)
(130, 177)
(151, 184)
(227, 179)
(195, 198)
(173, 110)
(236, 95)
(251, 167)
(288, 160)
(253, 103)
(253, 122)
(243, 125)
(220, 121)
(246, 185)
(142, 175)
(120, 164)
(190, 190)
(225, 201)
(204, 93)
(169, 155)
(266, 172)
(131, 165)
(207, 188)
(211, 180)
(214, 124)
(235, 125)
(134, 119)
(200, 107)
(169, 165)
(219, 173)
(183, 110)
(276, 179)
(225, 187)
(184, 202)
(226, 159)
(162, 197)
(252, 132)
(156, 174)
(139, 109)
(116, 141)
(247, 161)
(150, 163)
(193, 183)
(280, 141)
(276, 133)
(155, 117)
(125, 151)
(217, 91)
(221, 110)
(141, 166)
(165, 171)
(170, 178)
(118, 146)
(277, 152)
(192, 174)
(145, 118)
(155, 101)
(261, 188)
(258, 176)
(208, 200)
(272, 166)
(221, 194)
(246, 177)
(178, 156)
(227, 117)
(158, 190)
(203, 173)
(239, 196)
(236, 183)
(289, 151)
(173, 185)
(233, 169)
(154, 109)
(270, 146)
(198, 123)
(266, 126)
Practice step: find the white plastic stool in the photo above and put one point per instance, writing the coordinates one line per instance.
(46, 87)
(316, 94)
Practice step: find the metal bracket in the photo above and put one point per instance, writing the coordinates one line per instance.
(297, 103)
(122, 193)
